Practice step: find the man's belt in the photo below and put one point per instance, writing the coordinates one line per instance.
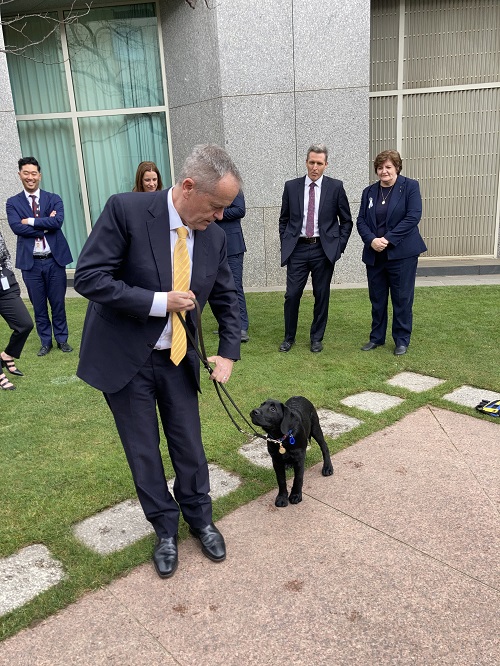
(309, 241)
(43, 256)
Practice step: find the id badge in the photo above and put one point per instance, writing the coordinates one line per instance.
(5, 283)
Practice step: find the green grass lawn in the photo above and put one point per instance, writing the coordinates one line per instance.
(62, 460)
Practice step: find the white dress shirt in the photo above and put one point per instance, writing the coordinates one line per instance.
(160, 300)
(41, 244)
(317, 194)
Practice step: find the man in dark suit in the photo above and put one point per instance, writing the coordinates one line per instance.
(315, 225)
(36, 217)
(128, 271)
(231, 223)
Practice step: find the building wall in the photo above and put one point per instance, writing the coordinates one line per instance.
(265, 80)
(11, 151)
(435, 96)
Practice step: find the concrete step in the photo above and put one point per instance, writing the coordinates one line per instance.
(430, 266)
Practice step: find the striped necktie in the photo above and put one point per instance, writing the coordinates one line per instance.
(182, 274)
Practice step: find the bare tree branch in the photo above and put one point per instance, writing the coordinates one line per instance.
(19, 23)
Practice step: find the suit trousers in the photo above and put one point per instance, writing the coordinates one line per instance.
(307, 259)
(46, 281)
(15, 313)
(159, 383)
(396, 277)
(235, 262)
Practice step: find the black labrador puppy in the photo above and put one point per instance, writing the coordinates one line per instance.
(289, 427)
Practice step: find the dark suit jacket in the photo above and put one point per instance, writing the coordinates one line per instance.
(403, 215)
(231, 223)
(334, 217)
(18, 208)
(124, 261)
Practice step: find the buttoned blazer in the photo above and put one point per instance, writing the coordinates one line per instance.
(231, 223)
(404, 212)
(125, 260)
(19, 208)
(334, 217)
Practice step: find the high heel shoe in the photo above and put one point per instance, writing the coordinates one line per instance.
(11, 367)
(5, 384)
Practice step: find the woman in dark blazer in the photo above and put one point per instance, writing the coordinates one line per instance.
(15, 313)
(387, 222)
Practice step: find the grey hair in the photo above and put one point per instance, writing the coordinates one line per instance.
(207, 165)
(318, 148)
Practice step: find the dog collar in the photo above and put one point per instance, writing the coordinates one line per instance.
(280, 441)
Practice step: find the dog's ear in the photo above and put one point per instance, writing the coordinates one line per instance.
(290, 421)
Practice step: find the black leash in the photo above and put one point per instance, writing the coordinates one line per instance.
(202, 355)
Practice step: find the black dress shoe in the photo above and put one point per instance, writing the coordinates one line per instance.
(212, 542)
(244, 336)
(63, 346)
(316, 346)
(165, 556)
(11, 367)
(369, 346)
(44, 350)
(400, 350)
(285, 346)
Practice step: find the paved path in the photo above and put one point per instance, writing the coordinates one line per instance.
(393, 560)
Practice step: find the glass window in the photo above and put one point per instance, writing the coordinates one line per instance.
(112, 148)
(115, 58)
(53, 144)
(114, 66)
(37, 74)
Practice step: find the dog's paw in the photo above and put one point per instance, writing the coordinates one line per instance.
(327, 469)
(281, 500)
(295, 498)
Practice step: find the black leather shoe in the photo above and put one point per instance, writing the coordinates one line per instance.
(63, 346)
(44, 350)
(400, 350)
(316, 346)
(165, 556)
(285, 346)
(244, 336)
(212, 542)
(369, 346)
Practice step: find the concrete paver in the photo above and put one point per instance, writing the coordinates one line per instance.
(255, 451)
(470, 396)
(393, 560)
(413, 381)
(114, 528)
(26, 574)
(334, 424)
(371, 401)
(121, 525)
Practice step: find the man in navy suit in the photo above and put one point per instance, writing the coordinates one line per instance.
(126, 271)
(36, 217)
(315, 224)
(236, 248)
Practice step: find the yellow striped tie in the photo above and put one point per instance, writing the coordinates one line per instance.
(182, 270)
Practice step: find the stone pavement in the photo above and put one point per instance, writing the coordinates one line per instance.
(377, 547)
(393, 560)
